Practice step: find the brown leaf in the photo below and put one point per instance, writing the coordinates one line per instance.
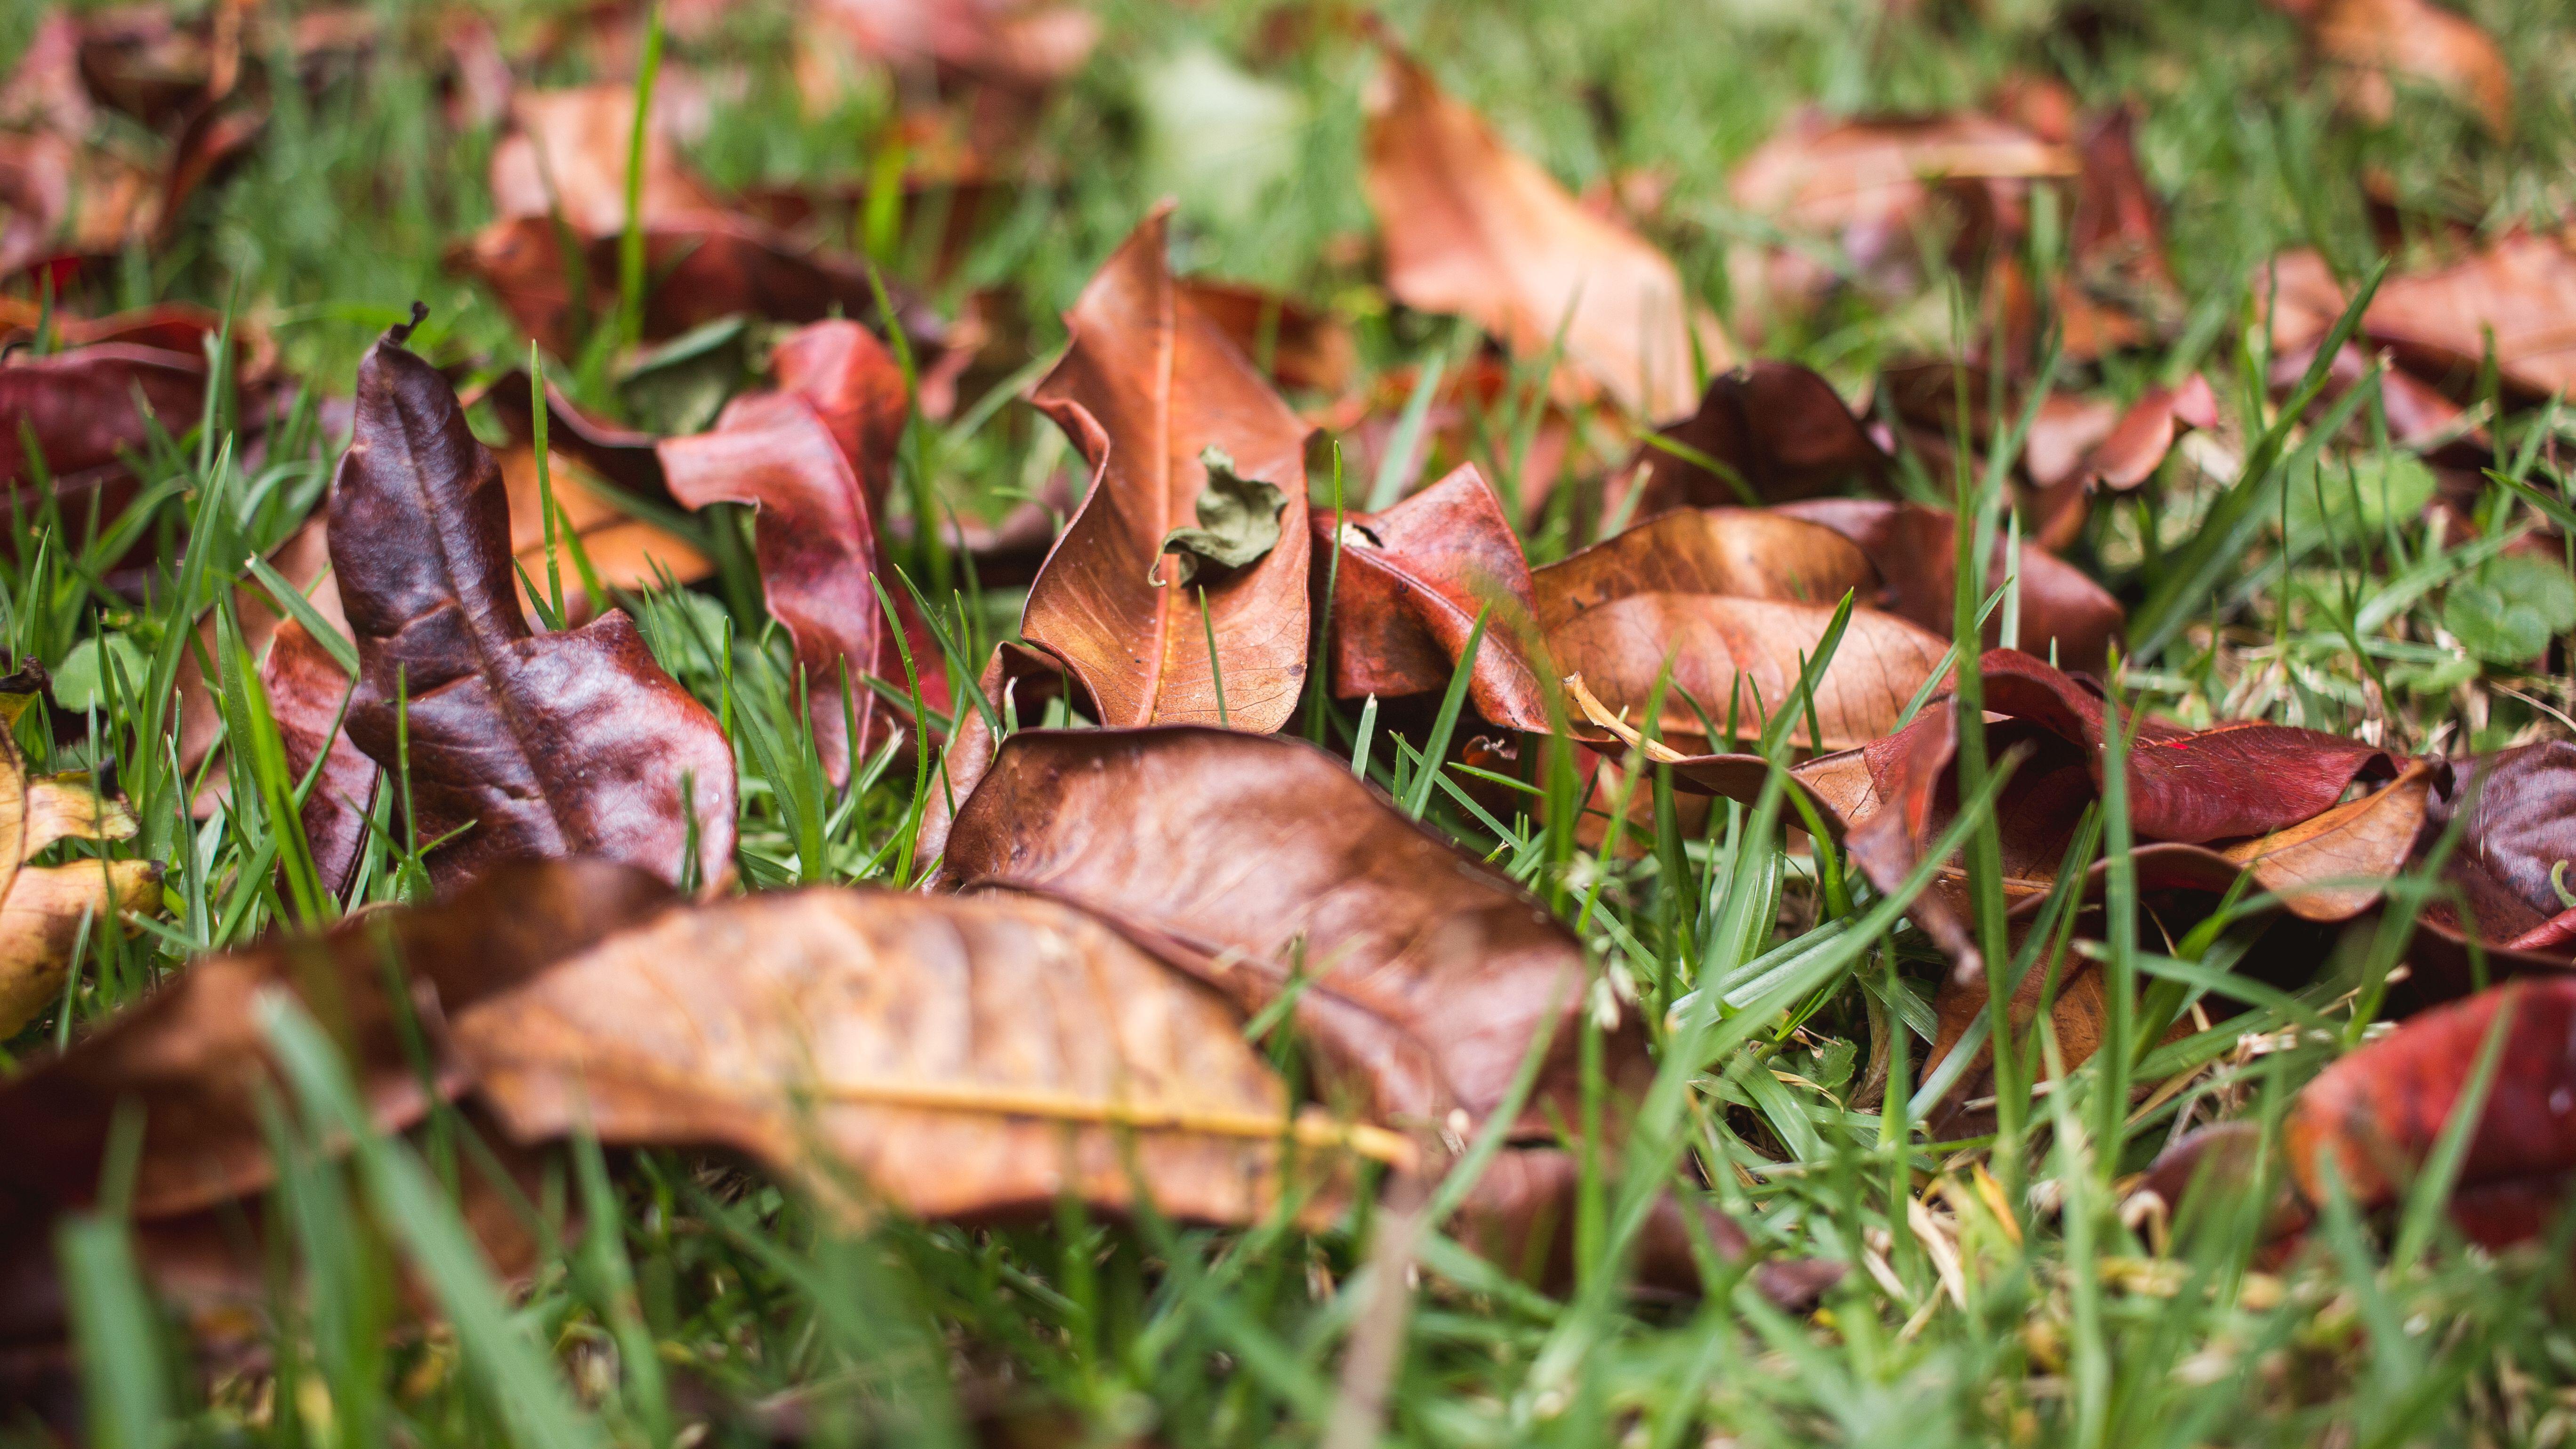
(2375, 40)
(1428, 974)
(1743, 553)
(1016, 682)
(88, 407)
(1307, 349)
(1474, 228)
(1411, 581)
(1022, 43)
(1870, 186)
(2515, 844)
(193, 1058)
(1780, 428)
(307, 695)
(1147, 385)
(625, 551)
(961, 1057)
(558, 744)
(1739, 659)
(2119, 450)
(192, 1064)
(1914, 554)
(816, 457)
(567, 156)
(2520, 288)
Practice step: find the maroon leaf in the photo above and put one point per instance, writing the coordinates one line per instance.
(1412, 581)
(88, 407)
(544, 745)
(816, 457)
(2514, 846)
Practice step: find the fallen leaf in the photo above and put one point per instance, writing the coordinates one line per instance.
(1307, 350)
(567, 156)
(1871, 186)
(816, 457)
(1146, 386)
(308, 697)
(88, 407)
(2520, 289)
(976, 1057)
(191, 1063)
(1746, 553)
(1476, 229)
(2374, 1116)
(1426, 974)
(1023, 43)
(1408, 584)
(1738, 660)
(1780, 430)
(545, 745)
(2515, 845)
(1914, 555)
(45, 908)
(2417, 40)
(2123, 455)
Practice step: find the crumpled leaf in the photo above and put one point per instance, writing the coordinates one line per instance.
(42, 907)
(1474, 228)
(958, 1057)
(1238, 521)
(1146, 387)
(544, 745)
(816, 457)
(1408, 584)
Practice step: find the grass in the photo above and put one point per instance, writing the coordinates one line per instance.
(2002, 1289)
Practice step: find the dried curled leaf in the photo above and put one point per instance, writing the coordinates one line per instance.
(530, 745)
(1238, 521)
(958, 1057)
(1474, 228)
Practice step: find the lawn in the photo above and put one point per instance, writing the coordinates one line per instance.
(932, 721)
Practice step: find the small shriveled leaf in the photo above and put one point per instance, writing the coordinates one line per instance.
(526, 744)
(958, 1057)
(1238, 520)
